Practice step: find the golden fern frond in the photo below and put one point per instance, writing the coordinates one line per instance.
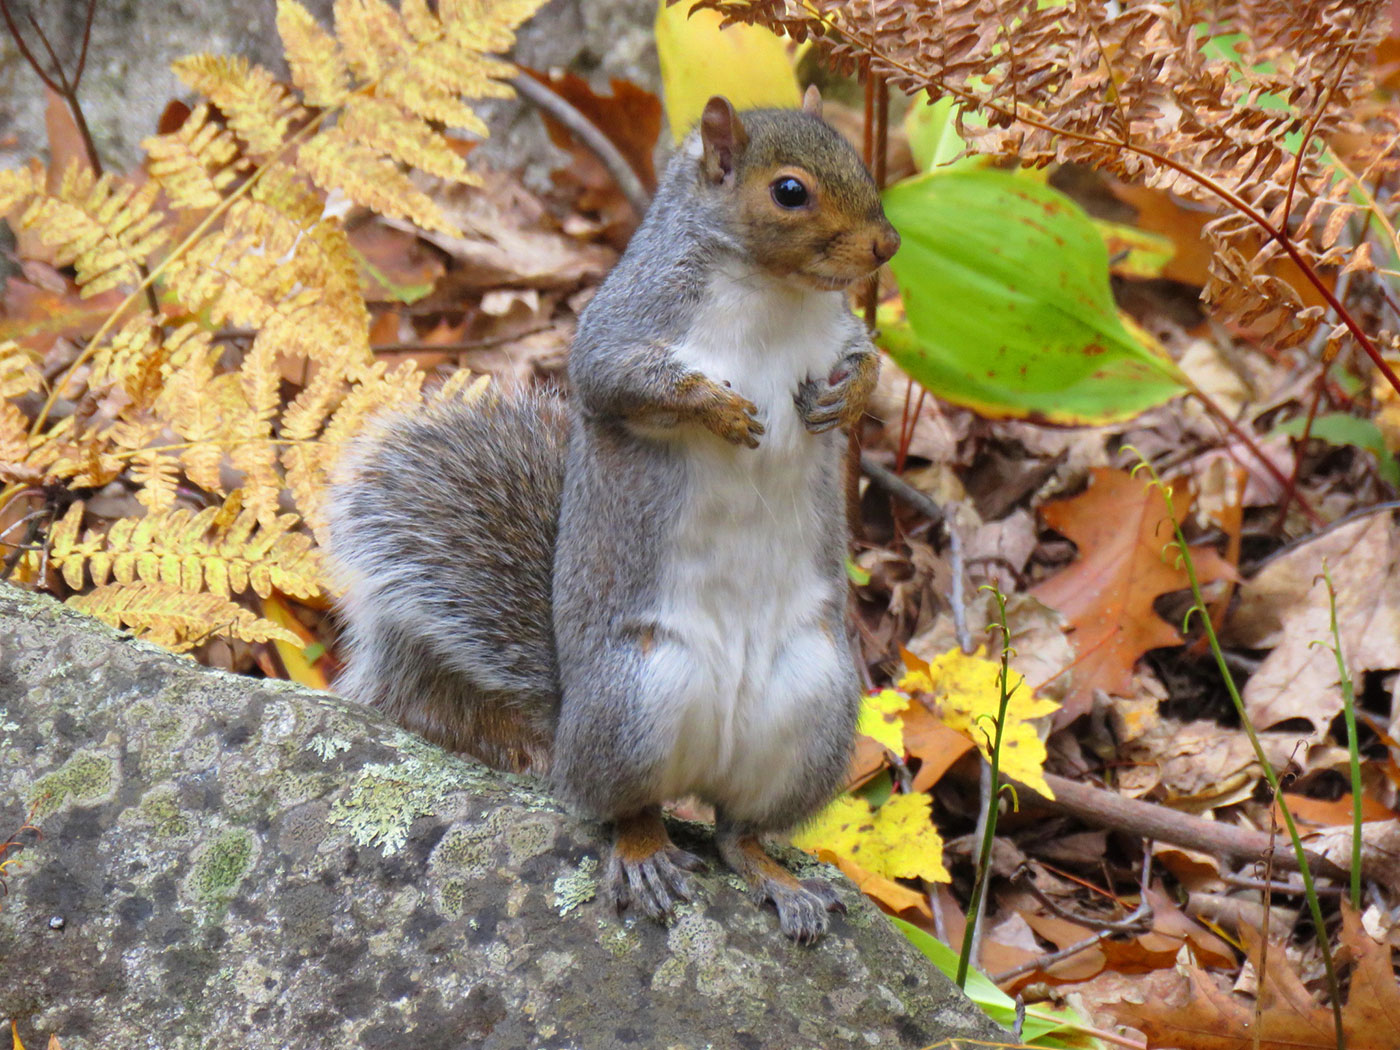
(484, 25)
(190, 404)
(175, 618)
(461, 386)
(157, 476)
(418, 87)
(391, 129)
(259, 110)
(196, 162)
(374, 37)
(233, 275)
(135, 359)
(103, 227)
(314, 250)
(67, 455)
(19, 375)
(376, 390)
(220, 548)
(255, 455)
(19, 184)
(305, 460)
(14, 434)
(318, 68)
(337, 161)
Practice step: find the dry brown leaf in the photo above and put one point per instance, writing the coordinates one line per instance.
(1380, 849)
(1125, 563)
(507, 239)
(1207, 1016)
(1284, 608)
(1193, 766)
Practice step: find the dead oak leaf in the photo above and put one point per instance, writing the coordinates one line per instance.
(1211, 1017)
(1126, 560)
(1285, 608)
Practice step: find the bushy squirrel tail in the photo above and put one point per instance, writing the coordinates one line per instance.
(442, 531)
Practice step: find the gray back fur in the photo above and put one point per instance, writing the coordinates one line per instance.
(442, 530)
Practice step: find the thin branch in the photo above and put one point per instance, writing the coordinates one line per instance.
(87, 36)
(587, 133)
(39, 70)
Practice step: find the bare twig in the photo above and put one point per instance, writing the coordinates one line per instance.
(899, 488)
(1137, 920)
(1108, 809)
(587, 133)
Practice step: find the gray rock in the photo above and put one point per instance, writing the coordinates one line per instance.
(227, 861)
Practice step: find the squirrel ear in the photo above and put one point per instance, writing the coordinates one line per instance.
(723, 137)
(812, 101)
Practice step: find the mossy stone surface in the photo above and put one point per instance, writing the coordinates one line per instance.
(295, 871)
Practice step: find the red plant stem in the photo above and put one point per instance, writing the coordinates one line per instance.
(1299, 447)
(1238, 433)
(1342, 61)
(875, 117)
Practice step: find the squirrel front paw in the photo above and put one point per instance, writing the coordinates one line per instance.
(839, 399)
(724, 412)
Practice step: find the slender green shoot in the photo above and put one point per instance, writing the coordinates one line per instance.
(1353, 744)
(984, 854)
(1309, 888)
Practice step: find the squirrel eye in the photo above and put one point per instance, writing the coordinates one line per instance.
(789, 192)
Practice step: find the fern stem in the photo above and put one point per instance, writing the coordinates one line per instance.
(1308, 133)
(1239, 434)
(1309, 887)
(1353, 743)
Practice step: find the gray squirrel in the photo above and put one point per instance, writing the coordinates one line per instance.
(643, 593)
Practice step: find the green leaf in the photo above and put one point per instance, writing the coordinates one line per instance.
(1133, 252)
(933, 135)
(856, 574)
(1008, 307)
(1041, 1023)
(1338, 428)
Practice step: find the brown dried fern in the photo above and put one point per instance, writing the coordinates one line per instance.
(1149, 95)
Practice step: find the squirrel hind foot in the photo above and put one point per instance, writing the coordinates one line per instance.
(802, 904)
(646, 869)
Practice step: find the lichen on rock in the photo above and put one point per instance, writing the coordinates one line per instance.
(226, 861)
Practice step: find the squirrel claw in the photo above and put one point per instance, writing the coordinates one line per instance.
(654, 884)
(838, 399)
(801, 909)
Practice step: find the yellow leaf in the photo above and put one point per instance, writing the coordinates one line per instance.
(898, 840)
(966, 694)
(879, 719)
(746, 64)
(893, 895)
(298, 667)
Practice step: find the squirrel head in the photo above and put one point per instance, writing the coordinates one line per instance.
(803, 205)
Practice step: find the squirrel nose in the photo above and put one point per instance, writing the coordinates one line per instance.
(886, 244)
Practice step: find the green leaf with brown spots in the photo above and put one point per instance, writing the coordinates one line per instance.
(1007, 308)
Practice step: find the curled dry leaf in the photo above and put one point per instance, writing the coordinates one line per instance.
(1284, 608)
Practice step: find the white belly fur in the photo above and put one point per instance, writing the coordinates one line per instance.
(742, 655)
